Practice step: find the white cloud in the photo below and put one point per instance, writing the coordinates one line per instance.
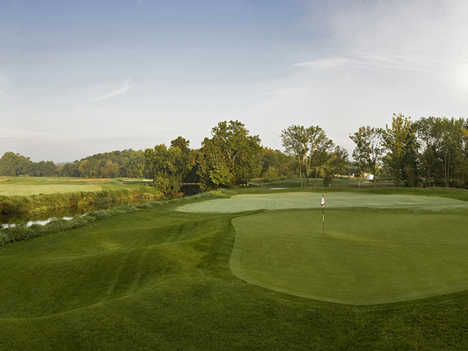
(324, 63)
(373, 61)
(116, 92)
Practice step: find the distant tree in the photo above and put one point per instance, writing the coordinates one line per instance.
(452, 152)
(401, 144)
(309, 145)
(70, 169)
(277, 164)
(429, 133)
(296, 142)
(319, 146)
(337, 163)
(230, 157)
(13, 164)
(110, 170)
(84, 168)
(187, 161)
(368, 150)
(166, 168)
(44, 169)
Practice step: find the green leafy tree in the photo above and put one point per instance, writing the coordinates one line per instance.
(187, 162)
(277, 164)
(337, 163)
(295, 140)
(165, 164)
(401, 144)
(14, 164)
(368, 150)
(319, 146)
(310, 146)
(230, 157)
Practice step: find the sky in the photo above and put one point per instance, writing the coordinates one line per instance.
(83, 77)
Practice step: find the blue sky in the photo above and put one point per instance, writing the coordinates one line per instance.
(81, 77)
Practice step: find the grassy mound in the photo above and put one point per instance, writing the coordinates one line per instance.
(298, 200)
(363, 257)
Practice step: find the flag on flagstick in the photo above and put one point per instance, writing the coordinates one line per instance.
(322, 202)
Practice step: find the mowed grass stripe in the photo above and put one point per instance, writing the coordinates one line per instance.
(299, 200)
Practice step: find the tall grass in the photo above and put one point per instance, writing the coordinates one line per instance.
(22, 232)
(44, 204)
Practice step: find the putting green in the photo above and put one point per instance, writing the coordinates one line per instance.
(298, 200)
(364, 257)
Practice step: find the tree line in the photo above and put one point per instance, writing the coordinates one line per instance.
(429, 151)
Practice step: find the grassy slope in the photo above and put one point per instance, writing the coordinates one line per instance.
(161, 280)
(364, 257)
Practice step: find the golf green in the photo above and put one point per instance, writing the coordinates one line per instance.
(251, 202)
(363, 257)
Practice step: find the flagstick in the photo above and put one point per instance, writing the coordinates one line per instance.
(322, 204)
(323, 220)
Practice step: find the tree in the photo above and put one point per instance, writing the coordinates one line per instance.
(230, 157)
(401, 144)
(452, 142)
(336, 163)
(187, 161)
(165, 164)
(277, 164)
(319, 146)
(368, 150)
(310, 146)
(14, 164)
(296, 142)
(70, 169)
(110, 170)
(429, 133)
(84, 168)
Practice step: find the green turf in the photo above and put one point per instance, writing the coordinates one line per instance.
(363, 257)
(26, 190)
(160, 279)
(26, 186)
(298, 200)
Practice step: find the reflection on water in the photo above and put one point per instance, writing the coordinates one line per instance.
(41, 222)
(39, 218)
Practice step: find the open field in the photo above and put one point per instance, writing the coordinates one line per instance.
(26, 186)
(162, 279)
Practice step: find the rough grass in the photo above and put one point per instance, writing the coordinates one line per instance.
(160, 280)
(286, 200)
(363, 257)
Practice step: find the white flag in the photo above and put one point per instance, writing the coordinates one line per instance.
(322, 202)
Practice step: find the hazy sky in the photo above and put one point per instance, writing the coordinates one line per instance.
(81, 77)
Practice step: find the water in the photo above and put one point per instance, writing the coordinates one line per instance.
(42, 222)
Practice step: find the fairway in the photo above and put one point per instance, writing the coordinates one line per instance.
(26, 190)
(364, 256)
(298, 200)
(27, 186)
